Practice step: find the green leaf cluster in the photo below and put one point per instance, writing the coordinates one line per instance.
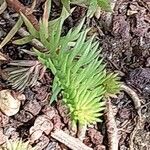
(79, 73)
(92, 5)
(17, 145)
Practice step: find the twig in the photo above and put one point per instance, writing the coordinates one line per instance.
(19, 7)
(111, 127)
(145, 104)
(3, 6)
(69, 141)
(132, 135)
(138, 125)
(139, 119)
(134, 96)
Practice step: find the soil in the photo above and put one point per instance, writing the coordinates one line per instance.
(125, 42)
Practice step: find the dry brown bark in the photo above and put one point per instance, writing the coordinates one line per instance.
(19, 7)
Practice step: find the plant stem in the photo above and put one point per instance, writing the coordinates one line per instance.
(112, 129)
(82, 131)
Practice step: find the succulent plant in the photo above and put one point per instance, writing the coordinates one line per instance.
(17, 145)
(92, 5)
(74, 59)
(81, 77)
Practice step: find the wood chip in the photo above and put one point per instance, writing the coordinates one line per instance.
(69, 141)
(9, 105)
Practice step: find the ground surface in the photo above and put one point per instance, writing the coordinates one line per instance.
(126, 48)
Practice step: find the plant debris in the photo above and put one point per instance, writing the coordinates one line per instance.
(9, 102)
(42, 124)
(112, 129)
(73, 143)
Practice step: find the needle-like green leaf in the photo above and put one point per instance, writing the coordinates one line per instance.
(23, 40)
(12, 32)
(66, 4)
(30, 27)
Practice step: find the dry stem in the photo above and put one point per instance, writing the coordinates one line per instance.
(69, 141)
(82, 131)
(19, 7)
(111, 127)
(139, 120)
(134, 96)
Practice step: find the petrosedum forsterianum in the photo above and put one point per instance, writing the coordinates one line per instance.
(92, 5)
(81, 77)
(16, 145)
(79, 73)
